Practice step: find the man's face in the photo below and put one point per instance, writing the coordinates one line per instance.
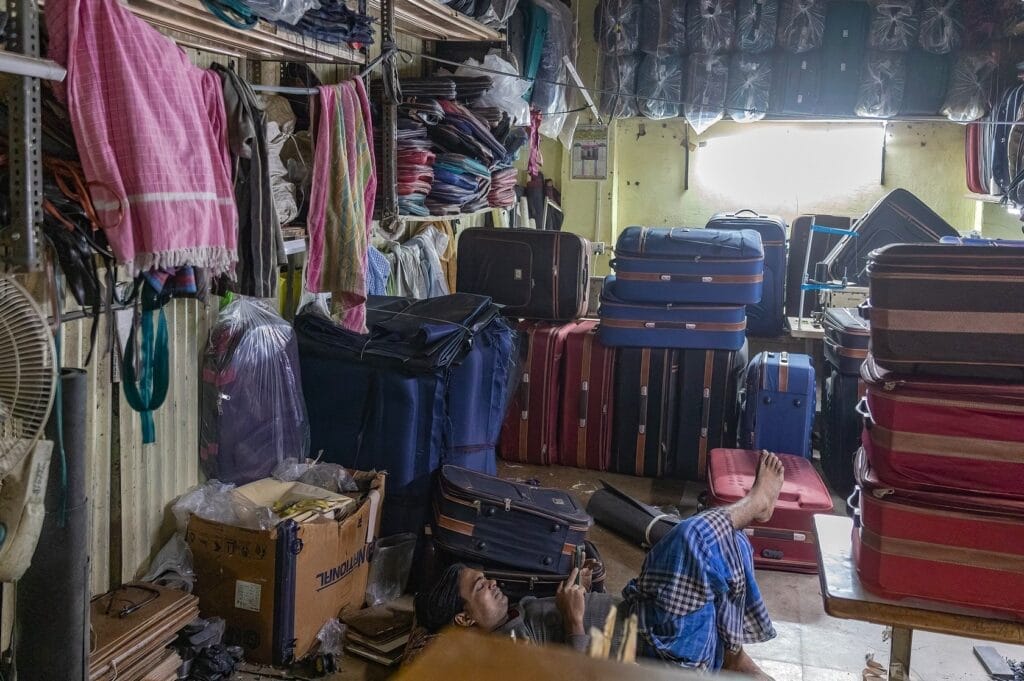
(486, 605)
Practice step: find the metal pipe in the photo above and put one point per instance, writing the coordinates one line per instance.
(285, 90)
(32, 67)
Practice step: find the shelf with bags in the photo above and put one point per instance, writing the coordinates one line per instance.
(431, 20)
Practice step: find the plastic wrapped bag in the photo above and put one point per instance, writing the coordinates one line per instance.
(550, 99)
(659, 86)
(663, 27)
(506, 92)
(942, 26)
(801, 25)
(710, 25)
(495, 13)
(883, 79)
(618, 85)
(707, 83)
(217, 501)
(390, 564)
(756, 24)
(288, 11)
(173, 567)
(970, 85)
(894, 25)
(329, 476)
(253, 411)
(618, 27)
(332, 638)
(750, 87)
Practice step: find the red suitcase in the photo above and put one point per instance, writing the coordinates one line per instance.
(786, 542)
(941, 434)
(972, 149)
(530, 431)
(940, 547)
(585, 440)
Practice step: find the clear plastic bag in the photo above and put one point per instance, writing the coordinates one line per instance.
(288, 11)
(217, 502)
(970, 85)
(707, 83)
(618, 27)
(883, 79)
(551, 99)
(710, 25)
(332, 638)
(172, 566)
(390, 564)
(618, 85)
(253, 411)
(329, 476)
(894, 25)
(942, 26)
(756, 24)
(495, 13)
(801, 25)
(750, 86)
(663, 27)
(659, 86)
(506, 92)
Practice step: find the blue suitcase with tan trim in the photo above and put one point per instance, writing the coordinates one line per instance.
(779, 404)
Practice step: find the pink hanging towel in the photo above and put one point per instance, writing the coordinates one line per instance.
(151, 127)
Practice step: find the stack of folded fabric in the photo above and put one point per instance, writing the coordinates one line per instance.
(461, 185)
(415, 163)
(441, 88)
(503, 188)
(334, 23)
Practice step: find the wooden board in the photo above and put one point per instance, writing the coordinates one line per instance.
(846, 598)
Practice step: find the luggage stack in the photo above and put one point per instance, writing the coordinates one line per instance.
(675, 314)
(847, 335)
(941, 505)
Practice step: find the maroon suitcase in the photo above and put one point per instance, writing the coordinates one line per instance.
(530, 431)
(786, 542)
(585, 440)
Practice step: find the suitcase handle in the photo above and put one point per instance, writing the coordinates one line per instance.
(700, 242)
(642, 423)
(863, 410)
(753, 212)
(524, 397)
(584, 403)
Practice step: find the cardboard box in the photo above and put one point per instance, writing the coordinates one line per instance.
(276, 588)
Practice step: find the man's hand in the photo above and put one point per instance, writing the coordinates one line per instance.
(587, 573)
(571, 604)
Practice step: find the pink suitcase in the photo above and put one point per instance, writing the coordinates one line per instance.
(787, 541)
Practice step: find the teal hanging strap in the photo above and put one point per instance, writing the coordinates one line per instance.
(146, 389)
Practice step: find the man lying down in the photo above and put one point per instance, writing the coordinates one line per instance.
(696, 599)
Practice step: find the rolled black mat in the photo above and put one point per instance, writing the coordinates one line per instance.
(630, 518)
(52, 642)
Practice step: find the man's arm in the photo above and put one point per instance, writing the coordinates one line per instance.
(572, 605)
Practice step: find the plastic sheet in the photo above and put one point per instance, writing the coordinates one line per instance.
(618, 27)
(288, 11)
(618, 85)
(663, 27)
(495, 13)
(253, 412)
(332, 638)
(506, 92)
(750, 87)
(710, 25)
(707, 83)
(801, 25)
(883, 79)
(968, 97)
(551, 100)
(942, 26)
(756, 24)
(328, 476)
(217, 501)
(390, 564)
(894, 25)
(173, 567)
(659, 86)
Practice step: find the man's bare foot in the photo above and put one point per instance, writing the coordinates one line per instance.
(741, 663)
(767, 486)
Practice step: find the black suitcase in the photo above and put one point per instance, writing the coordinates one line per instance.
(796, 83)
(645, 395)
(846, 32)
(898, 217)
(707, 411)
(495, 521)
(533, 274)
(799, 237)
(927, 82)
(841, 428)
(847, 336)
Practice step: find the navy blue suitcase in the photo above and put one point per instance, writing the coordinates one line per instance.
(779, 403)
(687, 265)
(766, 318)
(668, 325)
(485, 518)
(847, 335)
(841, 427)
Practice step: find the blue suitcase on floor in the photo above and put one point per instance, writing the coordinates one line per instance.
(667, 325)
(766, 318)
(688, 265)
(779, 403)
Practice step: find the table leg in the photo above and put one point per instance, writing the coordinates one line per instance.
(899, 654)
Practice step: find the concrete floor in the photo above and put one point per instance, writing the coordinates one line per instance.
(811, 646)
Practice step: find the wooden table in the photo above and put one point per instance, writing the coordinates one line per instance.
(844, 597)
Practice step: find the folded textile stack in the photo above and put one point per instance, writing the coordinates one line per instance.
(503, 188)
(334, 23)
(461, 185)
(467, 134)
(415, 167)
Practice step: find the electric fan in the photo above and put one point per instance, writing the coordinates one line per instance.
(28, 380)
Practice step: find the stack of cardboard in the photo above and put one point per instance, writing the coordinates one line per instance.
(132, 627)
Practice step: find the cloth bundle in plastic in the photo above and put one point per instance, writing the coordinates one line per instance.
(617, 27)
(707, 84)
(970, 85)
(883, 79)
(756, 24)
(801, 25)
(663, 27)
(253, 412)
(618, 85)
(750, 87)
(659, 86)
(333, 22)
(894, 25)
(710, 25)
(942, 26)
(548, 97)
(495, 13)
